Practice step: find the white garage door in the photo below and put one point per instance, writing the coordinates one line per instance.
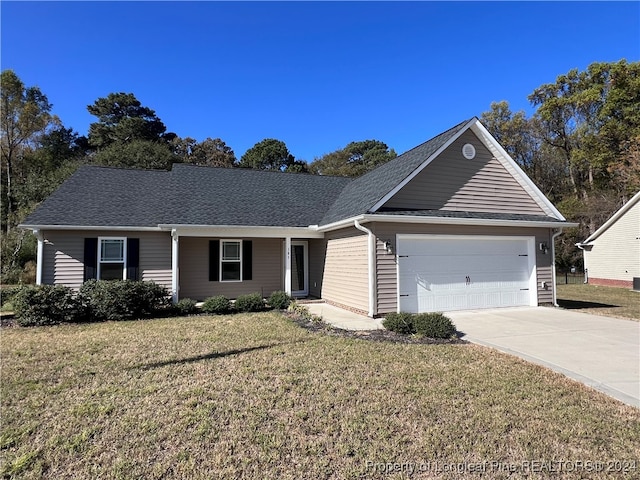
(444, 273)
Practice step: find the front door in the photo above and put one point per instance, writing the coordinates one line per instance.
(299, 269)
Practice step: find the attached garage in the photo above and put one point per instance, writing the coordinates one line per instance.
(452, 272)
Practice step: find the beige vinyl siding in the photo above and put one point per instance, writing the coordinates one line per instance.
(544, 267)
(615, 254)
(386, 268)
(267, 270)
(155, 258)
(451, 182)
(317, 250)
(63, 256)
(346, 279)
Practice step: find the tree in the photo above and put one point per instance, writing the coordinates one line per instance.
(269, 154)
(136, 153)
(588, 117)
(520, 138)
(129, 135)
(356, 159)
(25, 114)
(122, 118)
(211, 152)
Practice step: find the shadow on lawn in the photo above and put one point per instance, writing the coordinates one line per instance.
(210, 356)
(579, 304)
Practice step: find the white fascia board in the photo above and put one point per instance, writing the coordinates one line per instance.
(514, 169)
(465, 221)
(242, 231)
(614, 218)
(424, 164)
(92, 228)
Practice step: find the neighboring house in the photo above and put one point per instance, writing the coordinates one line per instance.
(612, 252)
(451, 224)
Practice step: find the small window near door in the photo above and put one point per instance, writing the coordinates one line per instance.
(111, 258)
(231, 261)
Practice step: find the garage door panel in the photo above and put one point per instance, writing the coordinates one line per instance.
(458, 273)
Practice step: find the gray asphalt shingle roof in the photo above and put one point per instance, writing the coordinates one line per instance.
(189, 195)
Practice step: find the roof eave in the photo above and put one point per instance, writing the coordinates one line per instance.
(614, 218)
(521, 176)
(130, 228)
(466, 221)
(422, 166)
(256, 231)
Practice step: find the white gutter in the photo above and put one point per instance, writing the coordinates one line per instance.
(553, 266)
(444, 221)
(92, 228)
(243, 231)
(372, 266)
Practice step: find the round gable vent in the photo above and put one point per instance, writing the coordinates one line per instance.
(469, 151)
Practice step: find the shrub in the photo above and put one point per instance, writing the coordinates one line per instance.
(45, 305)
(399, 322)
(122, 299)
(7, 295)
(185, 306)
(251, 302)
(279, 300)
(302, 312)
(219, 304)
(434, 325)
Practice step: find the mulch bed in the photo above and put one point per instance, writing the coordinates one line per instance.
(318, 326)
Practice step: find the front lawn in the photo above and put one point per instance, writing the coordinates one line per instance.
(255, 396)
(608, 301)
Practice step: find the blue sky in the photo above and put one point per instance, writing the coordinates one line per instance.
(315, 75)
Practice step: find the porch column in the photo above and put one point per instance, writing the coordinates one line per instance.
(39, 256)
(174, 265)
(287, 265)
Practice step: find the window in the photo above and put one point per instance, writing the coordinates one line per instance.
(111, 258)
(231, 261)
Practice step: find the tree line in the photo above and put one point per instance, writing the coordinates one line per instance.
(581, 147)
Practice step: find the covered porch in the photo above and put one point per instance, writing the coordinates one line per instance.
(231, 261)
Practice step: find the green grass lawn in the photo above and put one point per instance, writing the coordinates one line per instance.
(255, 396)
(609, 301)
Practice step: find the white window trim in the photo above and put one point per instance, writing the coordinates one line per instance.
(221, 261)
(124, 256)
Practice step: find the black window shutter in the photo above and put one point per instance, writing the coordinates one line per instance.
(247, 259)
(133, 258)
(214, 260)
(90, 258)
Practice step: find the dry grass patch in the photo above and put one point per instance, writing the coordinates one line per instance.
(254, 396)
(608, 301)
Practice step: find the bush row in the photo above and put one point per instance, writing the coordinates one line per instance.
(120, 300)
(252, 302)
(95, 301)
(433, 325)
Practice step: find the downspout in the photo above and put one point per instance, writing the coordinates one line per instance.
(175, 277)
(553, 263)
(584, 260)
(372, 266)
(39, 256)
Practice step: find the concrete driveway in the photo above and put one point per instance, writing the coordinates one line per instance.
(602, 352)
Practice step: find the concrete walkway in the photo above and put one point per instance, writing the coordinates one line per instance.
(341, 318)
(602, 352)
